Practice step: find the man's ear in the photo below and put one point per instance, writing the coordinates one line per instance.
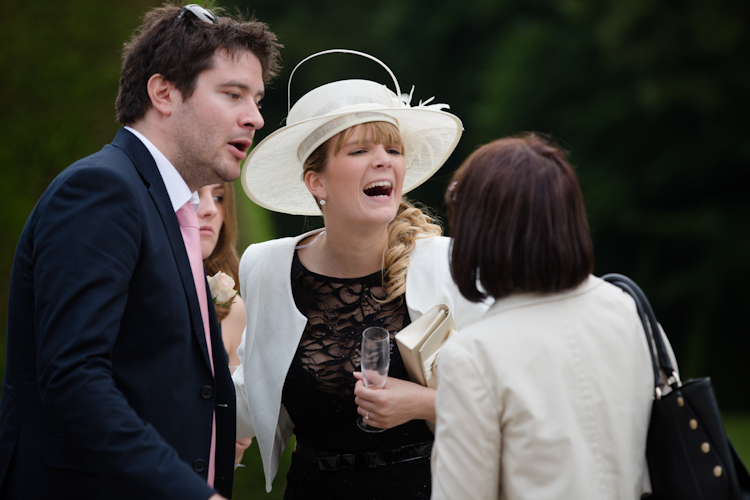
(315, 185)
(163, 94)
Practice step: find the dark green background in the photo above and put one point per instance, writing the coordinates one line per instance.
(650, 98)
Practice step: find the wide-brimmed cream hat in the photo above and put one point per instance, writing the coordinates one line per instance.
(272, 173)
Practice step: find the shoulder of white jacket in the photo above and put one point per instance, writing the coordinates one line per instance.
(431, 246)
(432, 241)
(275, 244)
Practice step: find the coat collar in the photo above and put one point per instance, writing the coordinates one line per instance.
(139, 155)
(521, 300)
(146, 166)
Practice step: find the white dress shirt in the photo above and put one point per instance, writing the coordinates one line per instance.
(177, 189)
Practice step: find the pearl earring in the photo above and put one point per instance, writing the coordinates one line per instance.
(322, 202)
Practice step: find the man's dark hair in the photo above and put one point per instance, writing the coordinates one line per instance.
(518, 221)
(181, 52)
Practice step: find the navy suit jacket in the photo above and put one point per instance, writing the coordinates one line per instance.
(108, 391)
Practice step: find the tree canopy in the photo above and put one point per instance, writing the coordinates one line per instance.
(649, 98)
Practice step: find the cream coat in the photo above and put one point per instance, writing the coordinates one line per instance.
(275, 326)
(547, 398)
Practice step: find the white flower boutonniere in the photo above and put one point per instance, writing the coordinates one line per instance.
(222, 289)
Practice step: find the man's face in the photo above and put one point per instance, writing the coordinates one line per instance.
(214, 128)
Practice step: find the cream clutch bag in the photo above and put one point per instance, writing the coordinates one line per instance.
(420, 342)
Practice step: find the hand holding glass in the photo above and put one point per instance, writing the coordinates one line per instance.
(376, 359)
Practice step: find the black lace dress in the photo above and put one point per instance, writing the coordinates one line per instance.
(318, 392)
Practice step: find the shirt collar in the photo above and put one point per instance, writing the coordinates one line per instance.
(177, 189)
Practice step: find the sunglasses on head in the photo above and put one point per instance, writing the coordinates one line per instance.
(200, 12)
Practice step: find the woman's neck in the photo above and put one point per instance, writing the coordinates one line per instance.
(346, 253)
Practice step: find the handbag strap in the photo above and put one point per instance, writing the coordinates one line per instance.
(654, 338)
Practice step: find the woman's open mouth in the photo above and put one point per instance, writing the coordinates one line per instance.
(379, 188)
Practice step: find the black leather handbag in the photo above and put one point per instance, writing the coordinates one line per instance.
(689, 454)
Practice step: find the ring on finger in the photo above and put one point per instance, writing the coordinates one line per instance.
(367, 417)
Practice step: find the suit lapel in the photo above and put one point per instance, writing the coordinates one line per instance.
(146, 166)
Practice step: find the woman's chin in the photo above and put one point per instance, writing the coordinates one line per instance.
(207, 249)
(373, 220)
(384, 218)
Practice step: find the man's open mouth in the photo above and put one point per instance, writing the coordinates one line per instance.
(241, 145)
(379, 188)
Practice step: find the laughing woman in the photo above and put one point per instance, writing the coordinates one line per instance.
(350, 149)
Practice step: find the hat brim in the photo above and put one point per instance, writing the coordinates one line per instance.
(272, 172)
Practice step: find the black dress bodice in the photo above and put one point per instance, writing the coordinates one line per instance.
(318, 392)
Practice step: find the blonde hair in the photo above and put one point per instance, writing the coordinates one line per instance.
(410, 223)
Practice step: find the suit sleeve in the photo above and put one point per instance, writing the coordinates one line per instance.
(86, 248)
(466, 455)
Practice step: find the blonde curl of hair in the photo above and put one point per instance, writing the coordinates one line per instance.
(410, 223)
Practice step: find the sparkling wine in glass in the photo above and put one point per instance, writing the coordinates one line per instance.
(376, 358)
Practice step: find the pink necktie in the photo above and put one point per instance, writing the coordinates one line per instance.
(191, 236)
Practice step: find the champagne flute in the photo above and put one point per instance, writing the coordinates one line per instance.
(376, 359)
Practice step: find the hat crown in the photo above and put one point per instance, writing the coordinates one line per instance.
(341, 97)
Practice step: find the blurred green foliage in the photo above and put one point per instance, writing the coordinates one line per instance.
(737, 426)
(651, 100)
(250, 482)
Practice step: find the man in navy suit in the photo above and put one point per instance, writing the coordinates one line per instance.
(109, 389)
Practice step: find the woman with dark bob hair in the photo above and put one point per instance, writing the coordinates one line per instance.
(549, 395)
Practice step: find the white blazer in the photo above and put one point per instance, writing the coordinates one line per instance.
(548, 397)
(275, 326)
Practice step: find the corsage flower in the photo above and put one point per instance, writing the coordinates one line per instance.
(222, 289)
